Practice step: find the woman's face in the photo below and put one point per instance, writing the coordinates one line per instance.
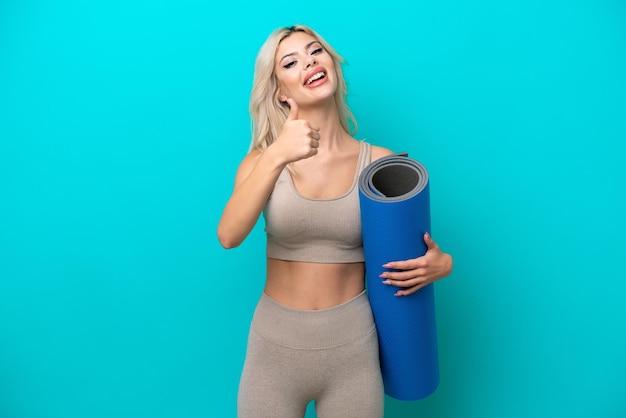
(305, 71)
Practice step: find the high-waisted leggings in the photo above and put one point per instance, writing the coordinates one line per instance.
(295, 356)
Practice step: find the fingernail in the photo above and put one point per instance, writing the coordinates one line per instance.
(386, 281)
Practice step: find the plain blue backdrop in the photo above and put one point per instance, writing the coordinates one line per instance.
(121, 127)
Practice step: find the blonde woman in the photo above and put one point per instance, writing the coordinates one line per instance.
(312, 336)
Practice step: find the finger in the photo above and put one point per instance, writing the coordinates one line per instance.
(293, 109)
(430, 243)
(403, 275)
(406, 264)
(314, 127)
(409, 291)
(404, 284)
(315, 135)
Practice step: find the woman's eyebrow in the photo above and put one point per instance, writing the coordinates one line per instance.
(294, 53)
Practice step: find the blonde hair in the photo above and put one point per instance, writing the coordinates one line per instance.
(267, 113)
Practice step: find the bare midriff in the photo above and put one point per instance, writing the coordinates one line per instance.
(313, 286)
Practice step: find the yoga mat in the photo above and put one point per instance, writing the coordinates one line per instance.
(395, 214)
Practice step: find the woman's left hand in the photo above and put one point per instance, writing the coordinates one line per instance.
(418, 272)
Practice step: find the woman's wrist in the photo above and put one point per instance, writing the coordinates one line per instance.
(273, 158)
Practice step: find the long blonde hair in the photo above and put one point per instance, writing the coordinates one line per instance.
(267, 114)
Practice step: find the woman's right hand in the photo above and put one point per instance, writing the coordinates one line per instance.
(299, 138)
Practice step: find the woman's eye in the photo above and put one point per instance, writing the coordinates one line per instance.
(317, 51)
(289, 64)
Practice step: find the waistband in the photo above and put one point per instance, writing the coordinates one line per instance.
(313, 329)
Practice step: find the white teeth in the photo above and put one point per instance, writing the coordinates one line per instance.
(314, 77)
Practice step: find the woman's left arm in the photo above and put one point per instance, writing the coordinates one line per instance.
(418, 272)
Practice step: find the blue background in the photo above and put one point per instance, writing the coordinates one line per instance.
(122, 124)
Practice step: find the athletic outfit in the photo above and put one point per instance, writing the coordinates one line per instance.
(327, 355)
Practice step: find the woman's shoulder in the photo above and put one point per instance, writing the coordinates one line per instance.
(379, 152)
(253, 155)
(247, 164)
(250, 159)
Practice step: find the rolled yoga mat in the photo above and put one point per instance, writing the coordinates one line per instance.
(395, 214)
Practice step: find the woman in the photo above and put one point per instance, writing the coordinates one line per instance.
(312, 336)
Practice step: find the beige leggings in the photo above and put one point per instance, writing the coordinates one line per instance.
(328, 355)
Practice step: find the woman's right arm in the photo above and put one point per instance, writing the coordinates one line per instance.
(258, 173)
(254, 182)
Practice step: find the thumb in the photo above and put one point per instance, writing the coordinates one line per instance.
(293, 109)
(429, 241)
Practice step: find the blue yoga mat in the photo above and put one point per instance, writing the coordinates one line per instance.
(395, 214)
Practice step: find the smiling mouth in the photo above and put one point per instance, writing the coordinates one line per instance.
(317, 76)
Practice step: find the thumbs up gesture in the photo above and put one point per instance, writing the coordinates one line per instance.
(299, 138)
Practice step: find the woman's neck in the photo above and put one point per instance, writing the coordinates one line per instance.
(332, 133)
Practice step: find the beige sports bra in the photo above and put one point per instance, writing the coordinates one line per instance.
(315, 230)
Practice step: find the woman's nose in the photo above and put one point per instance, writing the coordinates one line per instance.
(311, 61)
